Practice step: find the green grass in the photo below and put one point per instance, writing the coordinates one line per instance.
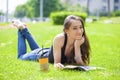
(105, 46)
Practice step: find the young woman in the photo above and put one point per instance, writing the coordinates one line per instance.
(70, 47)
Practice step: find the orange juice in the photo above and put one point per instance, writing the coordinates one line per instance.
(44, 63)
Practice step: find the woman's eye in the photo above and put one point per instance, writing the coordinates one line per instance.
(74, 28)
(81, 27)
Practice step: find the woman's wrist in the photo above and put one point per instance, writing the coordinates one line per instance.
(78, 57)
(79, 60)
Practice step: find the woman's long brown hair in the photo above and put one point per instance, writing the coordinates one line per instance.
(85, 47)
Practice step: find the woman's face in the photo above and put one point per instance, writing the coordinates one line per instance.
(75, 30)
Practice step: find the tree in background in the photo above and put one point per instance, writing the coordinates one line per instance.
(51, 6)
(22, 11)
(32, 8)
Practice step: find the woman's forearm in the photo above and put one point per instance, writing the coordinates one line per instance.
(78, 56)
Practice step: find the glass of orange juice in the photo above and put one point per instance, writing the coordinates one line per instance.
(44, 63)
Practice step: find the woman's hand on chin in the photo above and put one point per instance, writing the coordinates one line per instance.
(79, 41)
(58, 65)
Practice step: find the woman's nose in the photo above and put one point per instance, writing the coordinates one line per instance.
(79, 30)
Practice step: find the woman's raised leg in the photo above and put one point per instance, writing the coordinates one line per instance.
(24, 31)
(32, 43)
(21, 44)
(24, 34)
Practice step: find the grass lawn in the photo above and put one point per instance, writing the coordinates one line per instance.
(105, 52)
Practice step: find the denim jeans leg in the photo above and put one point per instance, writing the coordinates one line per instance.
(32, 43)
(32, 56)
(21, 44)
(35, 54)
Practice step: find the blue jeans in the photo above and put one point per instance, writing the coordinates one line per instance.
(36, 52)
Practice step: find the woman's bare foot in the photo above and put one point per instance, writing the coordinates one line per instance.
(18, 24)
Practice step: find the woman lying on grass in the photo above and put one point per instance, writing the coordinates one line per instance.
(70, 47)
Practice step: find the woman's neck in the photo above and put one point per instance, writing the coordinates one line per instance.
(70, 41)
